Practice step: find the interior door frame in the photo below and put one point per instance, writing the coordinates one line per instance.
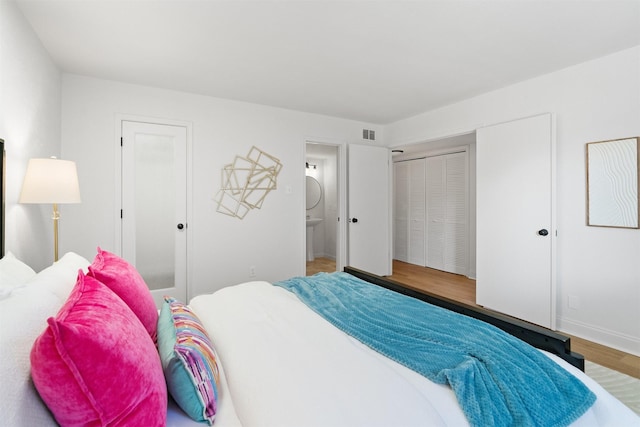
(117, 202)
(341, 256)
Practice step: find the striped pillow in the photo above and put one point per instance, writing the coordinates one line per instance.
(188, 360)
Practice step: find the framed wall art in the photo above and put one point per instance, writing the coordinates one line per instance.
(612, 183)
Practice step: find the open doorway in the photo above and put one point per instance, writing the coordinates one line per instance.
(322, 207)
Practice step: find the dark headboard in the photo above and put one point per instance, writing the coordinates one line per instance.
(2, 184)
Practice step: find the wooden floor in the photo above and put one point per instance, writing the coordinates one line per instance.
(463, 289)
(319, 265)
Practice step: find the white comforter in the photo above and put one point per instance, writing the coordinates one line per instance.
(286, 366)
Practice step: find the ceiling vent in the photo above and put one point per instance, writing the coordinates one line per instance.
(369, 134)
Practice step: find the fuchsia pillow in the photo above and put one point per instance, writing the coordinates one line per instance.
(123, 279)
(96, 365)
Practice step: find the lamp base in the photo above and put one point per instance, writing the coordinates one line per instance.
(55, 217)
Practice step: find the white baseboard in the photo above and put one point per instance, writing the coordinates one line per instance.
(599, 335)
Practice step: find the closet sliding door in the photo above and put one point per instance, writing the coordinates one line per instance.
(447, 213)
(431, 212)
(417, 208)
(401, 211)
(409, 211)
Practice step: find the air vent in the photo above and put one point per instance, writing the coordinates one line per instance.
(369, 134)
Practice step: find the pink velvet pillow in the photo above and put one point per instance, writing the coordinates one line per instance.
(95, 364)
(123, 279)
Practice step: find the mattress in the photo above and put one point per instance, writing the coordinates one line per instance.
(287, 366)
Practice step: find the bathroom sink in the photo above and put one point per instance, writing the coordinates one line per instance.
(312, 222)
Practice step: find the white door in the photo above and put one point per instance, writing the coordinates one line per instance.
(369, 213)
(154, 193)
(417, 212)
(401, 211)
(447, 213)
(515, 219)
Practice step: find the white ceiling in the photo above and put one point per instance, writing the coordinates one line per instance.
(373, 61)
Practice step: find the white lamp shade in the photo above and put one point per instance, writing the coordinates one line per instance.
(50, 181)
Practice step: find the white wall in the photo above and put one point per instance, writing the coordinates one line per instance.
(30, 125)
(599, 268)
(223, 248)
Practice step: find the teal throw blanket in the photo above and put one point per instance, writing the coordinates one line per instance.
(497, 379)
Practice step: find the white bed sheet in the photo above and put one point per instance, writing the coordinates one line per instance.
(287, 366)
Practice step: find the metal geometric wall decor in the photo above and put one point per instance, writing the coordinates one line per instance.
(246, 183)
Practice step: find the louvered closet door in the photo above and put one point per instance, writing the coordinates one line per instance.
(435, 212)
(447, 213)
(401, 211)
(417, 211)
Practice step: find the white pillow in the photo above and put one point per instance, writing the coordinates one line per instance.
(22, 318)
(60, 277)
(10, 266)
(29, 306)
(13, 274)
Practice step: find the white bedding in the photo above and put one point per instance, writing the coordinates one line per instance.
(287, 366)
(282, 365)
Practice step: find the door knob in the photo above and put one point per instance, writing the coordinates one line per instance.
(180, 226)
(543, 232)
(353, 220)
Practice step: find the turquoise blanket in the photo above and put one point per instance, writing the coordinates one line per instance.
(497, 379)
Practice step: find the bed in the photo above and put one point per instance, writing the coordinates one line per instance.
(277, 361)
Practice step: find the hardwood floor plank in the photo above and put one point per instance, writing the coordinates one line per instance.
(453, 286)
(319, 265)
